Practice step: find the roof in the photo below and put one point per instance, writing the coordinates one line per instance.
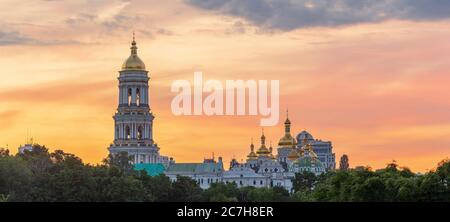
(152, 169)
(307, 161)
(196, 167)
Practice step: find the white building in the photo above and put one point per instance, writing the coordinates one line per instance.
(204, 173)
(26, 147)
(261, 169)
(243, 175)
(133, 121)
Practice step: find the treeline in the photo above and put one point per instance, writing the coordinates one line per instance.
(58, 176)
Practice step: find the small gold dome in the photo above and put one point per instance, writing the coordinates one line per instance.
(263, 151)
(252, 155)
(286, 141)
(133, 62)
(271, 156)
(293, 155)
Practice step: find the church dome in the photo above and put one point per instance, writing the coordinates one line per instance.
(133, 62)
(263, 151)
(307, 162)
(286, 141)
(304, 135)
(293, 155)
(252, 155)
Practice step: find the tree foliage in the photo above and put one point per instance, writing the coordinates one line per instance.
(40, 175)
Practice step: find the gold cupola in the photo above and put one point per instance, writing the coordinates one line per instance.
(133, 62)
(252, 155)
(271, 151)
(293, 155)
(263, 151)
(309, 149)
(287, 140)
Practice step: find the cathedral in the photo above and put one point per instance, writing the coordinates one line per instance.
(133, 134)
(262, 167)
(133, 121)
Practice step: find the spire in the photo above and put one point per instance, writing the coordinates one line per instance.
(263, 138)
(252, 155)
(133, 45)
(287, 123)
(252, 147)
(270, 147)
(133, 62)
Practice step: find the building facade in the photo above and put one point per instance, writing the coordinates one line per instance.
(133, 121)
(323, 149)
(204, 173)
(261, 168)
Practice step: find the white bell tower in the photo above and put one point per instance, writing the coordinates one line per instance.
(133, 121)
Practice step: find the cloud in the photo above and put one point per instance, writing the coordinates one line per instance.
(13, 38)
(17, 38)
(293, 14)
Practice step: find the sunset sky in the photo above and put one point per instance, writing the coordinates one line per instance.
(370, 76)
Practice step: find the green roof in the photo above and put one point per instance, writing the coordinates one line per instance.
(196, 167)
(307, 161)
(152, 169)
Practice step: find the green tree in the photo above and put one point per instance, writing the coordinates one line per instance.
(185, 189)
(304, 181)
(343, 163)
(15, 179)
(221, 192)
(121, 160)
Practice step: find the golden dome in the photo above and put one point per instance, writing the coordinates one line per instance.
(287, 140)
(309, 149)
(293, 155)
(133, 62)
(263, 151)
(252, 155)
(271, 152)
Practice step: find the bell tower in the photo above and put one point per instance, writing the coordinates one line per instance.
(133, 121)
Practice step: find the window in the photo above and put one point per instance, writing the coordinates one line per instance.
(261, 182)
(254, 182)
(139, 133)
(138, 96)
(129, 96)
(127, 133)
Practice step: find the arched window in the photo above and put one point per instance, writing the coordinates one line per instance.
(127, 133)
(138, 97)
(139, 133)
(129, 96)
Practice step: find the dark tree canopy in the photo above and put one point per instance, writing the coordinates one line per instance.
(40, 175)
(343, 163)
